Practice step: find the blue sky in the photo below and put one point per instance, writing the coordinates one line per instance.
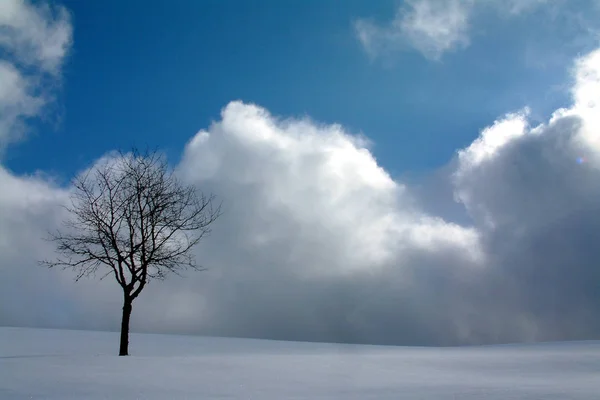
(468, 219)
(152, 73)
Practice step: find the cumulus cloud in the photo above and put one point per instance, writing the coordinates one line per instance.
(318, 235)
(313, 232)
(34, 41)
(317, 242)
(323, 180)
(323, 245)
(533, 192)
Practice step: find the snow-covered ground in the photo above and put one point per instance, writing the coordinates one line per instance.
(58, 364)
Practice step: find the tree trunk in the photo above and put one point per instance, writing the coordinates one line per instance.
(124, 346)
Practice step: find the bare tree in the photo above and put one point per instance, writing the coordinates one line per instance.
(130, 217)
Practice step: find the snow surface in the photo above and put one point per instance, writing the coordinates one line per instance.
(59, 364)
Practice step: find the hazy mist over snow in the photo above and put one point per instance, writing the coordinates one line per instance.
(317, 241)
(59, 364)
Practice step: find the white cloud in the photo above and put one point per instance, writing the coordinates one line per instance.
(34, 40)
(336, 250)
(437, 27)
(38, 35)
(512, 150)
(432, 27)
(323, 181)
(586, 91)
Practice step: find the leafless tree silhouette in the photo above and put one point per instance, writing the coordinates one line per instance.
(132, 218)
